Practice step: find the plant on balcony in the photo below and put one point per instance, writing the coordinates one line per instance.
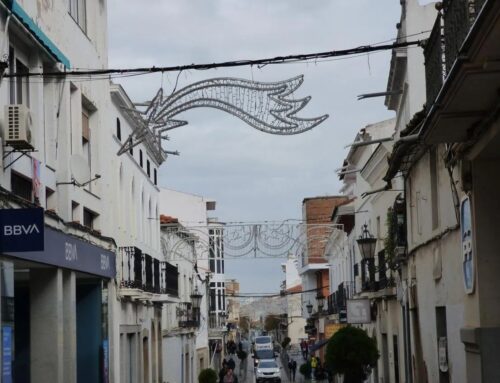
(352, 353)
(207, 376)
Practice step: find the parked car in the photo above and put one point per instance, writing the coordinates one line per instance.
(263, 355)
(268, 370)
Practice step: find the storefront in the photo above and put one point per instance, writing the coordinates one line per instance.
(54, 320)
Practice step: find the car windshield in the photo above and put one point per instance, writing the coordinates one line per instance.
(263, 340)
(268, 365)
(264, 354)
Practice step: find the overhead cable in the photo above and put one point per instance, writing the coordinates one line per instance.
(225, 64)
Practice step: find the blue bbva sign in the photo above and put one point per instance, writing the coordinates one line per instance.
(21, 230)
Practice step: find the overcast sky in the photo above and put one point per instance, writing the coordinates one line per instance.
(255, 176)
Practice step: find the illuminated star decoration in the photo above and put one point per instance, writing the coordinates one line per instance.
(269, 107)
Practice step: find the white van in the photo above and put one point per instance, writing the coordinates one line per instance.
(263, 343)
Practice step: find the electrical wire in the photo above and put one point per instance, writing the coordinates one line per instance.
(225, 64)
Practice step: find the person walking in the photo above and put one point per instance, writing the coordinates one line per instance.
(292, 366)
(314, 366)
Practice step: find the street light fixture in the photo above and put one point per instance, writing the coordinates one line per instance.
(196, 298)
(309, 308)
(366, 243)
(320, 299)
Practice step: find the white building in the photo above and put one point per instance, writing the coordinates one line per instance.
(293, 287)
(180, 321)
(192, 213)
(132, 198)
(55, 297)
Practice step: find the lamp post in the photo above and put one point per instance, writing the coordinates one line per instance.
(366, 243)
(196, 301)
(309, 308)
(320, 299)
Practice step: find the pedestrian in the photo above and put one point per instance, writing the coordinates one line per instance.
(222, 373)
(231, 364)
(314, 366)
(293, 370)
(230, 377)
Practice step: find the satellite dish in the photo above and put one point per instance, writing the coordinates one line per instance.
(80, 170)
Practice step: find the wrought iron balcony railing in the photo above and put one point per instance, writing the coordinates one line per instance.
(187, 315)
(434, 62)
(143, 272)
(337, 301)
(446, 39)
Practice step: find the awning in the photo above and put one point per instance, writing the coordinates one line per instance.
(37, 33)
(318, 345)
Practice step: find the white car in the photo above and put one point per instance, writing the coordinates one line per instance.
(268, 370)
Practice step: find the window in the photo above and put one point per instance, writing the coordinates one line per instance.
(50, 199)
(118, 129)
(155, 179)
(19, 86)
(21, 186)
(131, 151)
(89, 218)
(78, 11)
(86, 135)
(148, 168)
(140, 158)
(75, 211)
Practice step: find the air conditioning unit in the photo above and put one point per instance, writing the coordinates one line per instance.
(17, 127)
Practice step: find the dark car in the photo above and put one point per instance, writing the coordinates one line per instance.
(263, 355)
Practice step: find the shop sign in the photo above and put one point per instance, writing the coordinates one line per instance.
(66, 251)
(21, 230)
(358, 311)
(332, 328)
(7, 354)
(467, 245)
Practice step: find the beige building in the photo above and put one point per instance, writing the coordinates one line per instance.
(233, 301)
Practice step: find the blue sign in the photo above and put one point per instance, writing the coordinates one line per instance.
(105, 362)
(467, 244)
(70, 252)
(7, 354)
(21, 230)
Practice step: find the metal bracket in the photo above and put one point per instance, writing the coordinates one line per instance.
(24, 152)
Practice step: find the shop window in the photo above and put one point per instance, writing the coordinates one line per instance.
(78, 11)
(21, 186)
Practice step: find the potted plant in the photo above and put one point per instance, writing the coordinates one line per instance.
(207, 376)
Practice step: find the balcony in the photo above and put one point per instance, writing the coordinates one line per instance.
(337, 301)
(188, 316)
(461, 70)
(445, 41)
(217, 321)
(143, 277)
